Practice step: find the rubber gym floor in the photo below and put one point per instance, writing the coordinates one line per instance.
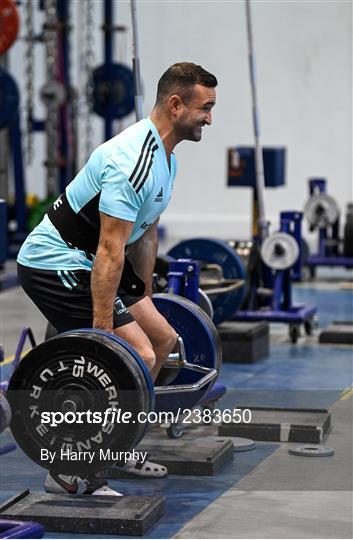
(265, 492)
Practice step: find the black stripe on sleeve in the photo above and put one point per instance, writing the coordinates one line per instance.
(143, 168)
(140, 156)
(148, 169)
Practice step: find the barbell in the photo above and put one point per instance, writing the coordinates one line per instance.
(90, 370)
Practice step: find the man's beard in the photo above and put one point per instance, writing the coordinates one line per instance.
(191, 133)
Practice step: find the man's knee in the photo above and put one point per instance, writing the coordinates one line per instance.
(148, 356)
(167, 340)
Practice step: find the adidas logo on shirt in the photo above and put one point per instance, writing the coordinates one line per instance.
(159, 197)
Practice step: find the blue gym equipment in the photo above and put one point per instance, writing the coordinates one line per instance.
(323, 216)
(20, 529)
(272, 301)
(226, 291)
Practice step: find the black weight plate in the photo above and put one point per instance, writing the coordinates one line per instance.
(9, 99)
(202, 347)
(212, 251)
(5, 412)
(79, 371)
(113, 91)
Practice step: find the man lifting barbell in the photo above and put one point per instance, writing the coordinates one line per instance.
(89, 263)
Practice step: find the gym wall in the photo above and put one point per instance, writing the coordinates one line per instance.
(304, 74)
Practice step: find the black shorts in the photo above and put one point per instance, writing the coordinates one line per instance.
(65, 298)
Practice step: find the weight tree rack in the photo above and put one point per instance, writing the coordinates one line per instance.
(106, 90)
(10, 141)
(323, 215)
(272, 301)
(269, 294)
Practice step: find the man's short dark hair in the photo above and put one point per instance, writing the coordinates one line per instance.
(180, 79)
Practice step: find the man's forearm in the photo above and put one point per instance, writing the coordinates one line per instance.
(143, 254)
(106, 275)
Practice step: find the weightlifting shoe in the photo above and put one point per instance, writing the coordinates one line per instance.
(74, 485)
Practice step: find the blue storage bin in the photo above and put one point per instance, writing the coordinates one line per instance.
(241, 166)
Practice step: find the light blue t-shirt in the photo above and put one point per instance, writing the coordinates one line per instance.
(127, 177)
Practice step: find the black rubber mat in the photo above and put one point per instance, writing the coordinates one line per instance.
(130, 516)
(338, 332)
(282, 425)
(198, 457)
